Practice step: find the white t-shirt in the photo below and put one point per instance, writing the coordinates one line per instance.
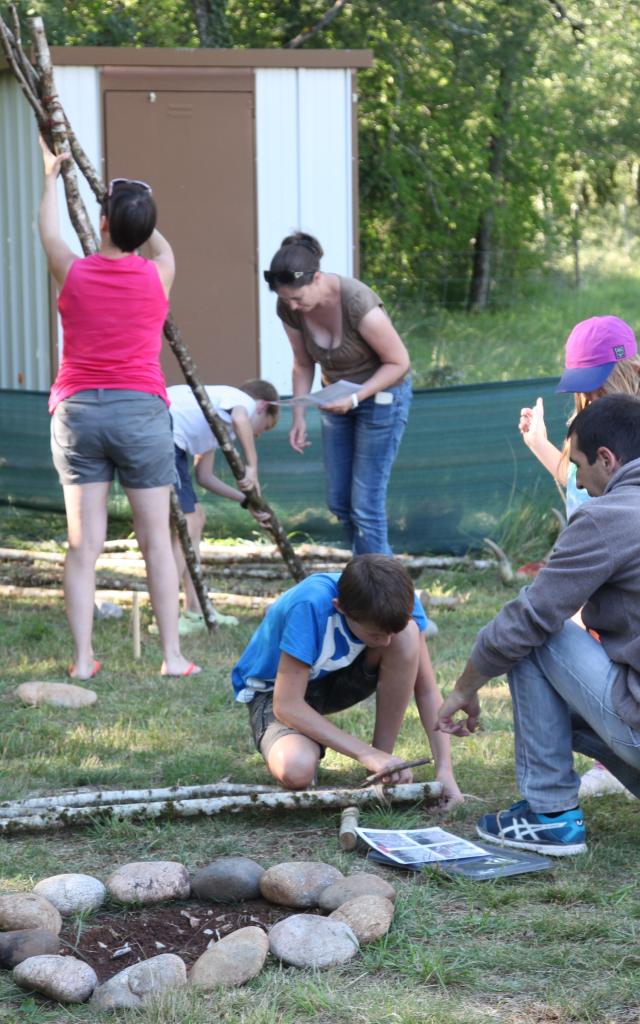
(191, 432)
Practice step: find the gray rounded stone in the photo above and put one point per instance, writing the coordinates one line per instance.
(72, 893)
(228, 879)
(136, 985)
(58, 695)
(232, 961)
(144, 882)
(369, 917)
(28, 910)
(298, 883)
(20, 945)
(360, 883)
(305, 940)
(62, 978)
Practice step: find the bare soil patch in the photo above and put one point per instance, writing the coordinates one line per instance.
(113, 940)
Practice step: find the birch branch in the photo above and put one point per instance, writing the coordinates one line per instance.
(285, 800)
(99, 798)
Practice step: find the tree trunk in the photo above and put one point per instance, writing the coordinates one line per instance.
(482, 246)
(211, 22)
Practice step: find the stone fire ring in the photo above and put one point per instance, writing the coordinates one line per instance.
(288, 921)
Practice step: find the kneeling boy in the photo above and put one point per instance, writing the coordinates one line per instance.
(327, 644)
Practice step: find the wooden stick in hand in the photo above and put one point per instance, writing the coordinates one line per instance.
(378, 776)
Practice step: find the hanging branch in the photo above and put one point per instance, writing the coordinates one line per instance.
(39, 89)
(179, 524)
(325, 20)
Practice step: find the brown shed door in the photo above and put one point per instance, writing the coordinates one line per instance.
(196, 148)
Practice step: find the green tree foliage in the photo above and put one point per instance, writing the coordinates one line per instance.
(548, 87)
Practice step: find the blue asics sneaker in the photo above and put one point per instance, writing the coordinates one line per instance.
(520, 827)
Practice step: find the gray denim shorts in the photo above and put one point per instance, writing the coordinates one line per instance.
(94, 433)
(334, 692)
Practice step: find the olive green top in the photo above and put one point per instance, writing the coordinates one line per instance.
(353, 358)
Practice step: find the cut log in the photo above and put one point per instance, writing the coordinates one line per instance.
(348, 837)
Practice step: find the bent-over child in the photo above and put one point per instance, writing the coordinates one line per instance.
(327, 644)
(247, 411)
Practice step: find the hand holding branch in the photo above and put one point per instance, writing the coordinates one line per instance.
(52, 163)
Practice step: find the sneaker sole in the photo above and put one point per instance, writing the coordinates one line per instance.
(561, 850)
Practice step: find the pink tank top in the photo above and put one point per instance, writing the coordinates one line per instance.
(112, 315)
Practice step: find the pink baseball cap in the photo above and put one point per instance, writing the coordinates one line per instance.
(593, 348)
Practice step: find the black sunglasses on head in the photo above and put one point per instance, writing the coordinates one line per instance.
(285, 276)
(115, 182)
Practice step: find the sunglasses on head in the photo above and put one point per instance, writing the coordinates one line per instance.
(285, 276)
(115, 182)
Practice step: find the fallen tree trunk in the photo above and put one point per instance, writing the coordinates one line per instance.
(284, 800)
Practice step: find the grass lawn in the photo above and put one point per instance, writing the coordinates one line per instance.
(558, 947)
(524, 337)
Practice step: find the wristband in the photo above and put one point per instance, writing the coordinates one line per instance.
(354, 401)
(245, 502)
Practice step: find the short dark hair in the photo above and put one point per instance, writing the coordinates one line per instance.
(611, 422)
(131, 215)
(263, 390)
(378, 591)
(298, 254)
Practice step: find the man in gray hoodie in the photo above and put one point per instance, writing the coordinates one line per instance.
(570, 690)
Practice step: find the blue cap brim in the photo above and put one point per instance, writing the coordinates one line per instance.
(585, 378)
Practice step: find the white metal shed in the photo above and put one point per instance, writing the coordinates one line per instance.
(242, 146)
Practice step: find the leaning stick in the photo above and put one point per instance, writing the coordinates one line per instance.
(372, 780)
(104, 797)
(179, 524)
(291, 801)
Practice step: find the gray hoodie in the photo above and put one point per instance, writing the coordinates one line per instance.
(595, 565)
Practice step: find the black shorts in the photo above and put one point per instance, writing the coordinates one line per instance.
(334, 692)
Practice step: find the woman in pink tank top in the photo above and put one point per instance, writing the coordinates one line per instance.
(109, 403)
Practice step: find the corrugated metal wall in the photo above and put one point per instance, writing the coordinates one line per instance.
(304, 180)
(25, 348)
(24, 313)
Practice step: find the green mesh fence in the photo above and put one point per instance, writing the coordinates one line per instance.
(462, 472)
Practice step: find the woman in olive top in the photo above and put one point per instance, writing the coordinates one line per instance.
(341, 324)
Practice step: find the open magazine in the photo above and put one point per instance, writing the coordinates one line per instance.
(418, 845)
(435, 849)
(332, 393)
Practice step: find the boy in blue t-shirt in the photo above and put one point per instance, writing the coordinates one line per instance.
(327, 644)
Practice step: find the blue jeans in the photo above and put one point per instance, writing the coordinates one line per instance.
(561, 696)
(359, 450)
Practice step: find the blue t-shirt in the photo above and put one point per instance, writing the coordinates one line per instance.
(574, 496)
(304, 623)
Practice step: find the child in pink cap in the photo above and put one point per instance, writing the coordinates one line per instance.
(601, 358)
